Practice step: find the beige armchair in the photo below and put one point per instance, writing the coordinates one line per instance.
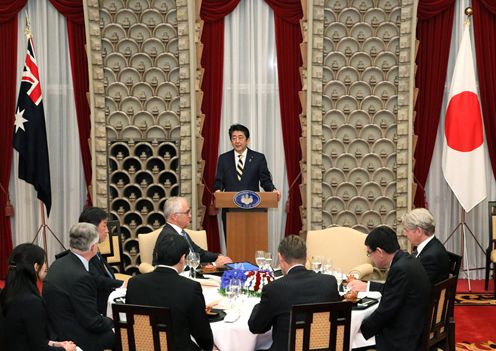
(147, 244)
(345, 246)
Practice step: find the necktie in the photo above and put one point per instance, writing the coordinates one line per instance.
(186, 236)
(105, 266)
(414, 252)
(239, 167)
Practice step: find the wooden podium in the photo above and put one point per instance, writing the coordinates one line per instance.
(247, 229)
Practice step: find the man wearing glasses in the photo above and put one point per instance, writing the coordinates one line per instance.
(178, 216)
(405, 294)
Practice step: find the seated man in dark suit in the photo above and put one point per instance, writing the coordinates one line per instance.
(298, 286)
(164, 287)
(70, 293)
(398, 321)
(419, 227)
(178, 215)
(99, 267)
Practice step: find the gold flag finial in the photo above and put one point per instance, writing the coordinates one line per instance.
(27, 29)
(469, 11)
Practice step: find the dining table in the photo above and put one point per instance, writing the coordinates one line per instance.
(232, 332)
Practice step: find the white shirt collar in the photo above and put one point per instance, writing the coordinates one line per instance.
(85, 262)
(176, 228)
(421, 246)
(243, 157)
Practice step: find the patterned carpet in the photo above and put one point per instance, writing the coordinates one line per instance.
(484, 346)
(475, 299)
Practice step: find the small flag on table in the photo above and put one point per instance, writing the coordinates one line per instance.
(30, 138)
(463, 150)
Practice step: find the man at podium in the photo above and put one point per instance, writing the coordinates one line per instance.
(242, 168)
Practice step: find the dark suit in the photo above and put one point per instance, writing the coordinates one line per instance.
(299, 286)
(165, 288)
(26, 324)
(205, 256)
(70, 293)
(106, 283)
(435, 260)
(398, 321)
(255, 173)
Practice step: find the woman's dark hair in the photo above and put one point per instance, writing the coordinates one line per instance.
(21, 276)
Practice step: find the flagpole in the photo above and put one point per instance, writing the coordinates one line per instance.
(43, 228)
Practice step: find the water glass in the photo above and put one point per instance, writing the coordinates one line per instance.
(316, 264)
(327, 266)
(268, 261)
(260, 258)
(194, 261)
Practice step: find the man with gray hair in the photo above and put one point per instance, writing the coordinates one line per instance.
(178, 216)
(70, 292)
(419, 227)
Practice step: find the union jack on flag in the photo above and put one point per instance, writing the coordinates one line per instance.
(30, 138)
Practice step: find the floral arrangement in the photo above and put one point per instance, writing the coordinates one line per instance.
(252, 282)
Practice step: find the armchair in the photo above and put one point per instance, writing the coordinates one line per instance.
(345, 246)
(111, 249)
(147, 242)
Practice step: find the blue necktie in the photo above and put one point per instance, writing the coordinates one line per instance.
(186, 236)
(104, 265)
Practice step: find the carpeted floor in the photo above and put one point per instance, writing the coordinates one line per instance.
(475, 299)
(484, 346)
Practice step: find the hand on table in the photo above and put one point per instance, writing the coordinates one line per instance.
(357, 285)
(222, 260)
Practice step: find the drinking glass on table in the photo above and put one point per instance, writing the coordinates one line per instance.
(268, 261)
(194, 261)
(327, 262)
(316, 263)
(188, 263)
(260, 258)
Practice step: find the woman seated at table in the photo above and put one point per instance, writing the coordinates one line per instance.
(22, 306)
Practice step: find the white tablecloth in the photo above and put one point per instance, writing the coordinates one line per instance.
(236, 336)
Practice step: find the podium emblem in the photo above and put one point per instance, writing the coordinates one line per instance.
(247, 199)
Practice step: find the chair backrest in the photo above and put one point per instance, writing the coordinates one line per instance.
(455, 264)
(140, 327)
(345, 246)
(111, 248)
(492, 223)
(320, 326)
(438, 328)
(199, 237)
(146, 243)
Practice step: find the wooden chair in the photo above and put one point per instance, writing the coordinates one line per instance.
(142, 328)
(439, 330)
(320, 326)
(455, 264)
(111, 249)
(491, 248)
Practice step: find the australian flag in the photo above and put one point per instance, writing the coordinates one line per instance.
(30, 138)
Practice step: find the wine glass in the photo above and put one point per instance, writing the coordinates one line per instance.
(327, 266)
(188, 263)
(316, 264)
(194, 261)
(236, 287)
(260, 258)
(268, 261)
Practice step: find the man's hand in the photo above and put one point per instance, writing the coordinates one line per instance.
(278, 194)
(222, 260)
(357, 285)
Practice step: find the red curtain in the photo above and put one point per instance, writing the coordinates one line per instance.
(8, 91)
(73, 11)
(287, 16)
(485, 48)
(435, 22)
(212, 13)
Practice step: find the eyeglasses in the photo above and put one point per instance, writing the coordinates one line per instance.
(188, 212)
(369, 253)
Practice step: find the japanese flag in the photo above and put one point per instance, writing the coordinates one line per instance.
(463, 150)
